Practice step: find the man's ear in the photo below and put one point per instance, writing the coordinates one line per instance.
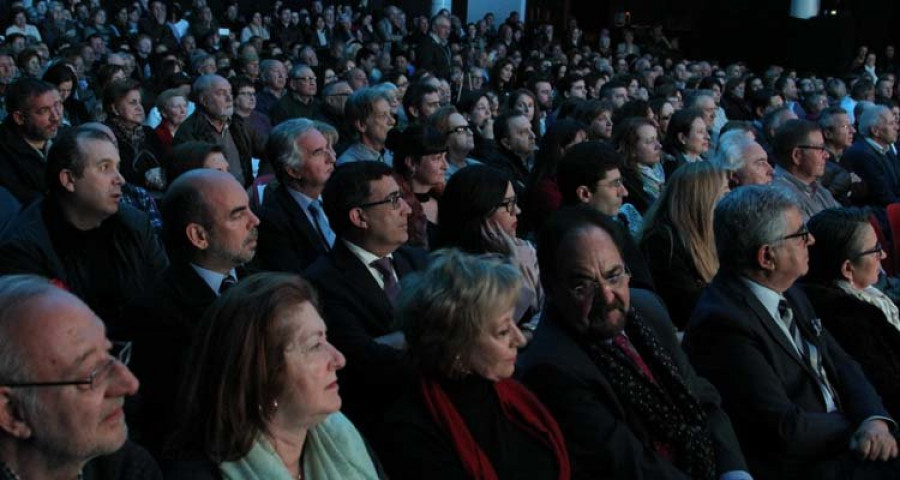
(12, 418)
(358, 218)
(505, 143)
(583, 193)
(197, 235)
(765, 257)
(682, 138)
(796, 153)
(67, 180)
(18, 117)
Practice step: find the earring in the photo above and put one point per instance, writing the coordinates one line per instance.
(458, 368)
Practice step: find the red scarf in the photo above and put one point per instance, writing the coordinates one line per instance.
(519, 405)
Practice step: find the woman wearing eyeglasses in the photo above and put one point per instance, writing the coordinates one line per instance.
(844, 264)
(478, 213)
(260, 398)
(465, 417)
(678, 240)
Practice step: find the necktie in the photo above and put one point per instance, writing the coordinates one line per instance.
(321, 224)
(386, 268)
(227, 283)
(808, 352)
(622, 343)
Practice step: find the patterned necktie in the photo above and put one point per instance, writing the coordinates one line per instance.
(386, 268)
(808, 352)
(227, 283)
(621, 341)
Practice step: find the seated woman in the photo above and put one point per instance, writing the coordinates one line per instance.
(140, 150)
(466, 418)
(478, 213)
(686, 139)
(642, 173)
(678, 240)
(260, 397)
(542, 196)
(192, 155)
(420, 161)
(844, 263)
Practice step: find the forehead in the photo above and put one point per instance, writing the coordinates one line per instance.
(456, 120)
(312, 140)
(382, 187)
(588, 250)
(519, 122)
(380, 106)
(646, 131)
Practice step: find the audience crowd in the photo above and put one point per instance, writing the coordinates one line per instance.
(325, 241)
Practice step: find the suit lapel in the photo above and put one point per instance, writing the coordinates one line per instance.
(360, 280)
(299, 221)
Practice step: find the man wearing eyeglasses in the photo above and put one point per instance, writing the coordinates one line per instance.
(874, 158)
(300, 101)
(62, 389)
(359, 281)
(799, 149)
(802, 407)
(606, 362)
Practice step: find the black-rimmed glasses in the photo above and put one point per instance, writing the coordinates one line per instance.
(394, 199)
(873, 251)
(820, 148)
(590, 288)
(461, 129)
(121, 352)
(509, 204)
(802, 234)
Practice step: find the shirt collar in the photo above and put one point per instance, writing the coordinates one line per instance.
(767, 297)
(878, 148)
(212, 279)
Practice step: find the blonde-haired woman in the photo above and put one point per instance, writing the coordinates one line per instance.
(678, 240)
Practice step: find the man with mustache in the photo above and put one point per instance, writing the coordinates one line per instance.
(210, 233)
(606, 362)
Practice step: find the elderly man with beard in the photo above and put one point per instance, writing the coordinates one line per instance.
(214, 122)
(210, 233)
(606, 362)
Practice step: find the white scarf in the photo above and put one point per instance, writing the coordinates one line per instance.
(334, 450)
(876, 297)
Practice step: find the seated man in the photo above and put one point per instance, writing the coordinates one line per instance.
(799, 149)
(745, 160)
(358, 281)
(294, 230)
(800, 405)
(62, 386)
(872, 157)
(611, 371)
(103, 252)
(210, 233)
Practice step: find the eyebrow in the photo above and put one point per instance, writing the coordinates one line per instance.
(236, 210)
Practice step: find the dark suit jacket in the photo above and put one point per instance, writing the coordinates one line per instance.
(287, 241)
(605, 438)
(357, 311)
(864, 332)
(771, 394)
(163, 329)
(434, 57)
(880, 172)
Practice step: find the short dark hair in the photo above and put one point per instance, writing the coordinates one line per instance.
(67, 153)
(189, 156)
(501, 125)
(838, 233)
(585, 164)
(349, 187)
(20, 93)
(116, 90)
(471, 195)
(680, 122)
(183, 204)
(414, 95)
(794, 132)
(557, 230)
(566, 83)
(59, 74)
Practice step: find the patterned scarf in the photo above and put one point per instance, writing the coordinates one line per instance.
(672, 415)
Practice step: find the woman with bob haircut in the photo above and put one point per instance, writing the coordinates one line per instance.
(466, 417)
(686, 139)
(478, 213)
(844, 263)
(678, 240)
(260, 398)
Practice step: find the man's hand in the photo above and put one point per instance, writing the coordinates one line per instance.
(873, 441)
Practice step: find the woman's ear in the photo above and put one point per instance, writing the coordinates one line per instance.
(847, 270)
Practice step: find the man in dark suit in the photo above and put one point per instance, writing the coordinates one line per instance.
(294, 230)
(800, 405)
(433, 51)
(873, 158)
(210, 233)
(358, 282)
(606, 362)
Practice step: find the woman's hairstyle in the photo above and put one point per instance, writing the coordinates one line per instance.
(552, 148)
(59, 74)
(163, 99)
(634, 108)
(236, 367)
(415, 142)
(625, 138)
(680, 123)
(189, 156)
(472, 194)
(496, 83)
(536, 119)
(444, 309)
(440, 119)
(117, 90)
(686, 207)
(839, 236)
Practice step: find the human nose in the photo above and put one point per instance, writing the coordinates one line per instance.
(122, 383)
(518, 338)
(254, 220)
(338, 361)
